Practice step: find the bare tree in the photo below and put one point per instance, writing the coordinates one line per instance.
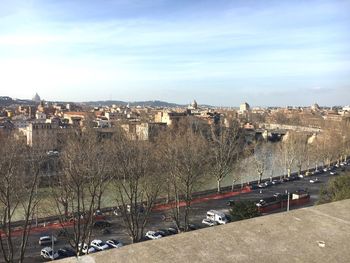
(137, 181)
(325, 146)
(261, 158)
(19, 174)
(83, 163)
(301, 151)
(186, 153)
(225, 146)
(288, 151)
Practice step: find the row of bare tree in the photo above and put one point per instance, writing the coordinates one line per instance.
(300, 151)
(134, 174)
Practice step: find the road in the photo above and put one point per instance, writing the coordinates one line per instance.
(198, 213)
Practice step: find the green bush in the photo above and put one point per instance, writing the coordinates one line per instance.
(337, 189)
(243, 210)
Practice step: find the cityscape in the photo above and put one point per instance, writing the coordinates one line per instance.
(174, 131)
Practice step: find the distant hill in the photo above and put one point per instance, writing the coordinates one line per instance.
(150, 103)
(6, 101)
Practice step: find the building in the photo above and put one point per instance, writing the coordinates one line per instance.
(42, 136)
(244, 107)
(75, 118)
(143, 131)
(148, 131)
(40, 116)
(315, 107)
(36, 98)
(169, 117)
(193, 105)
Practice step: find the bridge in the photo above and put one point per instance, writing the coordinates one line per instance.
(275, 132)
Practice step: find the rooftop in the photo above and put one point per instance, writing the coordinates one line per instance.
(314, 234)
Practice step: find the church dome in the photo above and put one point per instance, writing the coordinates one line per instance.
(36, 98)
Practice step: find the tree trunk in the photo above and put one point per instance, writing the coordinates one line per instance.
(299, 169)
(99, 200)
(288, 172)
(260, 177)
(219, 186)
(233, 185)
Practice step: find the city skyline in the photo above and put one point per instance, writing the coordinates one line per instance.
(221, 53)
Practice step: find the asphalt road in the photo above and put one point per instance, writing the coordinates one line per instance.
(198, 213)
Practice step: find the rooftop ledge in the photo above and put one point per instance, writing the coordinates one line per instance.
(313, 234)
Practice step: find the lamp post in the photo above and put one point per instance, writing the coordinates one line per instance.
(288, 197)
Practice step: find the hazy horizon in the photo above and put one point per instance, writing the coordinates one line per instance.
(220, 52)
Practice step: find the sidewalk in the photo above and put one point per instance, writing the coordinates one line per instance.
(162, 207)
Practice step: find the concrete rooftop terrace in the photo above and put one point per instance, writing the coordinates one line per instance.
(293, 236)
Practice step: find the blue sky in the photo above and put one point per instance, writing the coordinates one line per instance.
(219, 52)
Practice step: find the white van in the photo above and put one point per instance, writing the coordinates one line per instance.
(217, 216)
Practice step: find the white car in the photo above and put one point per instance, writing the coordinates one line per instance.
(48, 253)
(261, 203)
(47, 240)
(112, 243)
(333, 173)
(314, 180)
(209, 222)
(153, 235)
(86, 249)
(99, 245)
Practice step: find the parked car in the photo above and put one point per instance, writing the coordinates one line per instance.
(333, 173)
(209, 222)
(172, 231)
(164, 232)
(101, 224)
(86, 249)
(260, 203)
(112, 243)
(268, 183)
(277, 195)
(99, 245)
(98, 213)
(315, 180)
(230, 202)
(153, 235)
(317, 172)
(66, 252)
(47, 240)
(262, 185)
(254, 186)
(274, 182)
(48, 253)
(192, 227)
(293, 178)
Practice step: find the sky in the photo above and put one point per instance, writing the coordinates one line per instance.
(219, 52)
